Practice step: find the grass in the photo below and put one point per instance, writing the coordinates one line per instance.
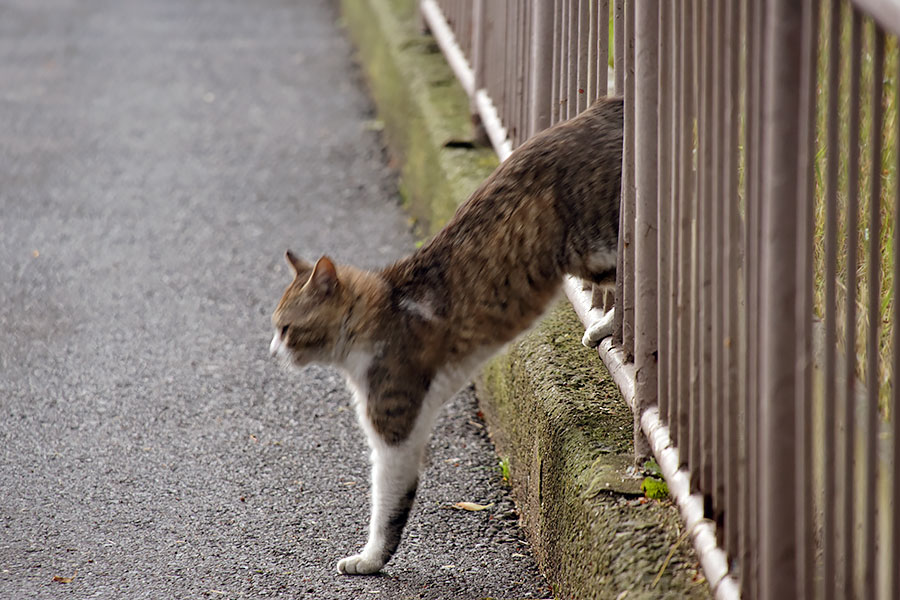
(886, 169)
(504, 469)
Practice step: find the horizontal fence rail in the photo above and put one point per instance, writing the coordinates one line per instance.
(759, 258)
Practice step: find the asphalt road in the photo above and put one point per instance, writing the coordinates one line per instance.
(156, 159)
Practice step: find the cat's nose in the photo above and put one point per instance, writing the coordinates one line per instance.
(276, 342)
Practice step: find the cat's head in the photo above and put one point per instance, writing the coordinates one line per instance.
(308, 319)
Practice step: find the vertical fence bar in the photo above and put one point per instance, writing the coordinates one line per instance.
(522, 54)
(509, 41)
(829, 538)
(717, 243)
(506, 64)
(465, 15)
(849, 391)
(563, 43)
(702, 422)
(894, 549)
(626, 215)
(515, 73)
(716, 251)
(664, 201)
(619, 41)
(756, 14)
(696, 424)
(572, 61)
(603, 48)
(779, 282)
(554, 70)
(619, 45)
(672, 347)
(592, 49)
(514, 58)
(675, 238)
(493, 30)
(565, 98)
(734, 482)
(529, 68)
(646, 67)
(686, 193)
(724, 399)
(805, 520)
(597, 45)
(874, 288)
(581, 82)
(542, 64)
(747, 375)
(484, 45)
(525, 70)
(476, 58)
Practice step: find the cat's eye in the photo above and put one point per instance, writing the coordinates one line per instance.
(284, 331)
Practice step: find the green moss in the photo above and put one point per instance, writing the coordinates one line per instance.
(504, 469)
(555, 411)
(655, 489)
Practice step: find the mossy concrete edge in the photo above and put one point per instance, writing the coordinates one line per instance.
(560, 424)
(423, 109)
(554, 414)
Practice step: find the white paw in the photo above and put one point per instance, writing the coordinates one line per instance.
(359, 564)
(600, 329)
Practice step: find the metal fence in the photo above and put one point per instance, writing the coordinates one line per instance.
(759, 260)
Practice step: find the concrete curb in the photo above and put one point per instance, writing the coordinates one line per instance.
(554, 413)
(424, 112)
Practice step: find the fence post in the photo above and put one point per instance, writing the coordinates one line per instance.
(779, 283)
(646, 52)
(542, 65)
(619, 57)
(479, 35)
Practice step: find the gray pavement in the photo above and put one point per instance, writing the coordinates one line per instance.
(156, 159)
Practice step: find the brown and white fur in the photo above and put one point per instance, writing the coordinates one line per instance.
(410, 336)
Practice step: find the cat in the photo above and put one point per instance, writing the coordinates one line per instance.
(410, 336)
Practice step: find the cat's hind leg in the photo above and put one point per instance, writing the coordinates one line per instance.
(599, 329)
(603, 326)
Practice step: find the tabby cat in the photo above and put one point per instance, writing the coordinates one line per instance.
(410, 336)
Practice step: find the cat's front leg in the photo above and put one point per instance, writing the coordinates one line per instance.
(395, 478)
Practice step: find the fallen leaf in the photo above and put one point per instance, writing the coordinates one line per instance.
(373, 125)
(59, 579)
(471, 506)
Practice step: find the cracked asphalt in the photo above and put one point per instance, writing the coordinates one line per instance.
(156, 159)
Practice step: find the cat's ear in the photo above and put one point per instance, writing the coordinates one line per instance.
(298, 266)
(324, 276)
